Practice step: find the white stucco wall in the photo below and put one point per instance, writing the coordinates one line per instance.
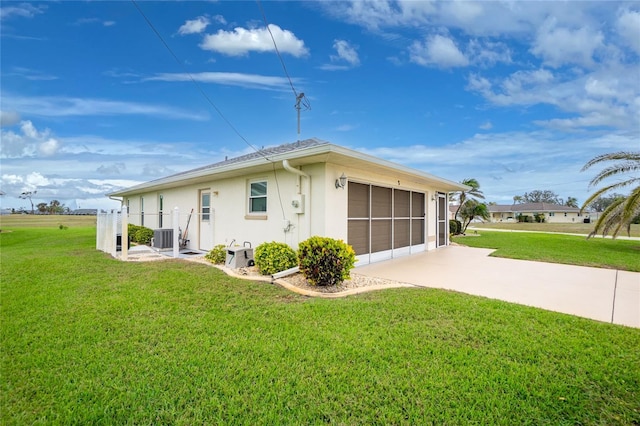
(324, 210)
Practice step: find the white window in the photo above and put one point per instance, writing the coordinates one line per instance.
(205, 205)
(258, 197)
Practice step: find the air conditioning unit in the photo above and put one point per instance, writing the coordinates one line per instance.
(163, 238)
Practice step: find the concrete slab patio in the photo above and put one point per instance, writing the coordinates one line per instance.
(601, 294)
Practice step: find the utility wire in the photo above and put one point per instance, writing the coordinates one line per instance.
(301, 99)
(284, 67)
(193, 80)
(213, 105)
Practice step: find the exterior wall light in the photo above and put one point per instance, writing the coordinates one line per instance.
(341, 181)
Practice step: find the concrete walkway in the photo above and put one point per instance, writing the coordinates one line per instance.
(601, 294)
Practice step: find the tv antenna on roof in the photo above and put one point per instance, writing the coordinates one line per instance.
(301, 102)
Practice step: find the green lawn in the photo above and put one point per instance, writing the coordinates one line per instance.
(86, 339)
(571, 228)
(558, 248)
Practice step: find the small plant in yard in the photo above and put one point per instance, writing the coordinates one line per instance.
(63, 227)
(274, 257)
(325, 261)
(217, 255)
(455, 227)
(140, 234)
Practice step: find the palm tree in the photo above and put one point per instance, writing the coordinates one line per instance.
(473, 192)
(624, 209)
(471, 210)
(571, 202)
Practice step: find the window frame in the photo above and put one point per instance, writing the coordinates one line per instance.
(251, 197)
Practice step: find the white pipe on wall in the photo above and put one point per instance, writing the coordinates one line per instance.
(307, 208)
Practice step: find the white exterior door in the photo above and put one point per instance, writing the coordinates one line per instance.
(205, 221)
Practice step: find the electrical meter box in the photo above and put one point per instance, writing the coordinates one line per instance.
(297, 202)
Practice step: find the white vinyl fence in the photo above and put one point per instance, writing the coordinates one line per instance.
(112, 233)
(110, 228)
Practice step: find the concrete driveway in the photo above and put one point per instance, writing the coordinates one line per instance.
(601, 294)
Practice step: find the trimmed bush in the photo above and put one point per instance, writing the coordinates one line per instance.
(143, 235)
(325, 261)
(139, 234)
(217, 255)
(274, 257)
(455, 227)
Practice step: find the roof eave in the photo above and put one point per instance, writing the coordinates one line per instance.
(300, 154)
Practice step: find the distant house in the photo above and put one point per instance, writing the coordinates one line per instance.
(552, 213)
(85, 212)
(294, 191)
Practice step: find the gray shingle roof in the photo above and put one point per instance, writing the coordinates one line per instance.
(263, 153)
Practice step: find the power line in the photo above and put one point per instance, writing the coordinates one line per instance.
(284, 67)
(260, 152)
(193, 80)
(301, 99)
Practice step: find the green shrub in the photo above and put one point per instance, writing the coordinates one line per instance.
(325, 261)
(131, 230)
(143, 235)
(139, 234)
(539, 217)
(274, 257)
(455, 227)
(217, 255)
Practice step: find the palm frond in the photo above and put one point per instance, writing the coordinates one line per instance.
(608, 219)
(631, 207)
(614, 156)
(616, 169)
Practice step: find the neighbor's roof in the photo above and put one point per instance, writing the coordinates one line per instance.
(530, 207)
(300, 153)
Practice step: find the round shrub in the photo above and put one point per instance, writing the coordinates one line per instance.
(325, 261)
(143, 235)
(274, 257)
(217, 255)
(455, 227)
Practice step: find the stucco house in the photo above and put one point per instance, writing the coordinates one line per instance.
(553, 213)
(290, 192)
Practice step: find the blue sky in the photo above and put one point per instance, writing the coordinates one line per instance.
(518, 95)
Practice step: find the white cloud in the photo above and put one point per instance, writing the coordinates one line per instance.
(486, 125)
(439, 51)
(112, 169)
(194, 26)
(504, 169)
(254, 81)
(9, 118)
(474, 18)
(609, 96)
(346, 52)
(559, 46)
(485, 52)
(28, 142)
(60, 106)
(346, 127)
(241, 41)
(30, 74)
(24, 10)
(628, 27)
(85, 21)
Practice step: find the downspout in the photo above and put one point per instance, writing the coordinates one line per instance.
(115, 199)
(301, 174)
